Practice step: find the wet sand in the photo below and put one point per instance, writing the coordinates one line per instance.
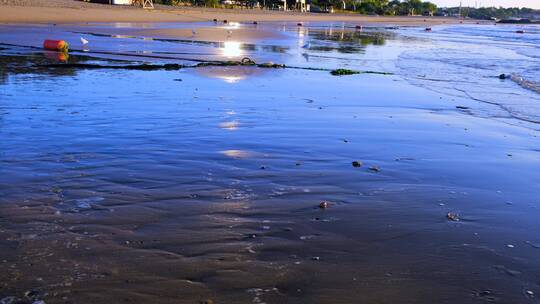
(203, 185)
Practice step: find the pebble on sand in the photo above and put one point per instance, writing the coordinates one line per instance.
(324, 205)
(357, 164)
(452, 216)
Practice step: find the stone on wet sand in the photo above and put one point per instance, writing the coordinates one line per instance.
(453, 216)
(324, 205)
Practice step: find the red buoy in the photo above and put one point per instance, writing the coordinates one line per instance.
(56, 45)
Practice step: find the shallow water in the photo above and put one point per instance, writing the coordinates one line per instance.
(184, 186)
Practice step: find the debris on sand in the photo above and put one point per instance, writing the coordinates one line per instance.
(271, 65)
(315, 258)
(357, 164)
(530, 293)
(324, 205)
(462, 107)
(56, 45)
(375, 168)
(453, 216)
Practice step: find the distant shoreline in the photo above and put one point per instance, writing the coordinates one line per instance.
(78, 12)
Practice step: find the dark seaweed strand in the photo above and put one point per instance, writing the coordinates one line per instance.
(202, 63)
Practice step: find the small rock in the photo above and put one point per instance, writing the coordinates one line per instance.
(484, 293)
(324, 205)
(263, 167)
(357, 164)
(452, 216)
(503, 76)
(31, 293)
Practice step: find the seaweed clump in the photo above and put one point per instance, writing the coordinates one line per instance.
(343, 72)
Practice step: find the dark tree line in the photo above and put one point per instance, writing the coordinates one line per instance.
(489, 12)
(380, 7)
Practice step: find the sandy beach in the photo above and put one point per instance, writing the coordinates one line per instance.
(167, 158)
(66, 11)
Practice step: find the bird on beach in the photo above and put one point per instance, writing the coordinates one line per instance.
(84, 41)
(194, 32)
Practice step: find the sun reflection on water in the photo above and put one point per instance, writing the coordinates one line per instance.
(230, 125)
(231, 49)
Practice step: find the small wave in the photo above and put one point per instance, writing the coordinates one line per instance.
(526, 84)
